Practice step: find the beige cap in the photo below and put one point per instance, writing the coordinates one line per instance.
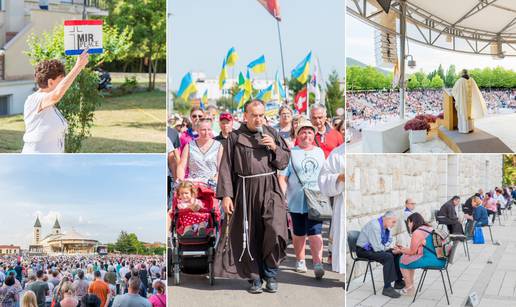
(304, 123)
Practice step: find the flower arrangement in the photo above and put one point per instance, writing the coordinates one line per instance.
(417, 124)
(429, 118)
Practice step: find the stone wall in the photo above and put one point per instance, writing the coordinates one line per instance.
(377, 183)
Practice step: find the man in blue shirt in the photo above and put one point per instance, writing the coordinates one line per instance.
(375, 243)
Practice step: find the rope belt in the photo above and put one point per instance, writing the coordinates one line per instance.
(246, 221)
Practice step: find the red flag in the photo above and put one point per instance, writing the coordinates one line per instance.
(300, 101)
(273, 7)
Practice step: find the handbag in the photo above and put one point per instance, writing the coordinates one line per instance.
(478, 236)
(319, 206)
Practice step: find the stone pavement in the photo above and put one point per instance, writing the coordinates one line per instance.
(295, 289)
(494, 283)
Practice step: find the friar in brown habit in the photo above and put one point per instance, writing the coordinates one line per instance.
(254, 236)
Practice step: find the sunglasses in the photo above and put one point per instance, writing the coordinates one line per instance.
(196, 116)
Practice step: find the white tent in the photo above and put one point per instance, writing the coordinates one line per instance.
(482, 27)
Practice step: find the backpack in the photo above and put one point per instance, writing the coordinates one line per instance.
(442, 242)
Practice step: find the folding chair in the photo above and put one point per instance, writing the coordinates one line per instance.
(445, 268)
(352, 244)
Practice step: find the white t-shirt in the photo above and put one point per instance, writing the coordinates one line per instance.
(45, 130)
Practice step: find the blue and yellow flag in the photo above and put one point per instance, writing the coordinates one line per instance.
(257, 66)
(278, 88)
(302, 70)
(204, 99)
(223, 75)
(265, 95)
(231, 57)
(187, 87)
(240, 98)
(248, 84)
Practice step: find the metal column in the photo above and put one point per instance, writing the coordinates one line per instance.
(403, 39)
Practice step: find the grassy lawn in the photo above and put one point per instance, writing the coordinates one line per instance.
(132, 123)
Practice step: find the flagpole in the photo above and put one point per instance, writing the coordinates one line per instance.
(282, 61)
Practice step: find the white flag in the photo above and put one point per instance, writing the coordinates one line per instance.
(313, 86)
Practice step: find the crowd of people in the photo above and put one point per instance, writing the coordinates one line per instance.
(377, 106)
(261, 169)
(81, 280)
(458, 219)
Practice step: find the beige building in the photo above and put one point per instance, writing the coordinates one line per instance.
(58, 243)
(377, 183)
(19, 19)
(6, 250)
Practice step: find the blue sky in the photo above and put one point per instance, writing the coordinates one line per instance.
(204, 30)
(360, 46)
(97, 195)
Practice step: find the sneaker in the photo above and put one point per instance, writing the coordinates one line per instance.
(390, 292)
(318, 271)
(301, 266)
(256, 286)
(271, 285)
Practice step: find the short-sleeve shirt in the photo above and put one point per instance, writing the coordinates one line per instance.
(40, 288)
(100, 289)
(308, 164)
(49, 124)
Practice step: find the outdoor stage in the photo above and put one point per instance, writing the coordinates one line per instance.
(493, 134)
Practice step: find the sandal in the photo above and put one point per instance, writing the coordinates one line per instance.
(407, 291)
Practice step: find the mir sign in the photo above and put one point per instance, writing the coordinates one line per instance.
(82, 34)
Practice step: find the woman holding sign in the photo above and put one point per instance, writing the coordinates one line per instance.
(45, 126)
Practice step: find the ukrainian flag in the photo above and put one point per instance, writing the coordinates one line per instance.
(187, 87)
(231, 57)
(204, 99)
(248, 84)
(265, 95)
(223, 75)
(241, 98)
(278, 88)
(301, 71)
(258, 65)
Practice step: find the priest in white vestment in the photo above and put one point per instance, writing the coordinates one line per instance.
(331, 183)
(469, 103)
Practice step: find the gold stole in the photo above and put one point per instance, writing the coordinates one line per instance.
(469, 98)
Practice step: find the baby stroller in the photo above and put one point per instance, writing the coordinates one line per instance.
(195, 254)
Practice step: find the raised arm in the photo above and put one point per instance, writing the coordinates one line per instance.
(54, 96)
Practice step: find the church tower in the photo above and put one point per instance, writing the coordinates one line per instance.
(37, 231)
(57, 228)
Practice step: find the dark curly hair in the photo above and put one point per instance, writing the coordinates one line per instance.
(46, 70)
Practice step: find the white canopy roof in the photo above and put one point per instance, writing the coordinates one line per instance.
(486, 27)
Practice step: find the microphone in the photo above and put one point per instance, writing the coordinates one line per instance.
(260, 131)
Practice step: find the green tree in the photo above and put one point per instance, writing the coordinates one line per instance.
(451, 76)
(413, 83)
(226, 103)
(425, 83)
(437, 82)
(440, 72)
(146, 18)
(127, 243)
(82, 98)
(334, 93)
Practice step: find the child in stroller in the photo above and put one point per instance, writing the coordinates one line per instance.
(192, 219)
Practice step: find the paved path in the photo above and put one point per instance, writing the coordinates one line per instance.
(494, 283)
(295, 289)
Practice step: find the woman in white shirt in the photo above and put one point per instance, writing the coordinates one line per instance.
(45, 126)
